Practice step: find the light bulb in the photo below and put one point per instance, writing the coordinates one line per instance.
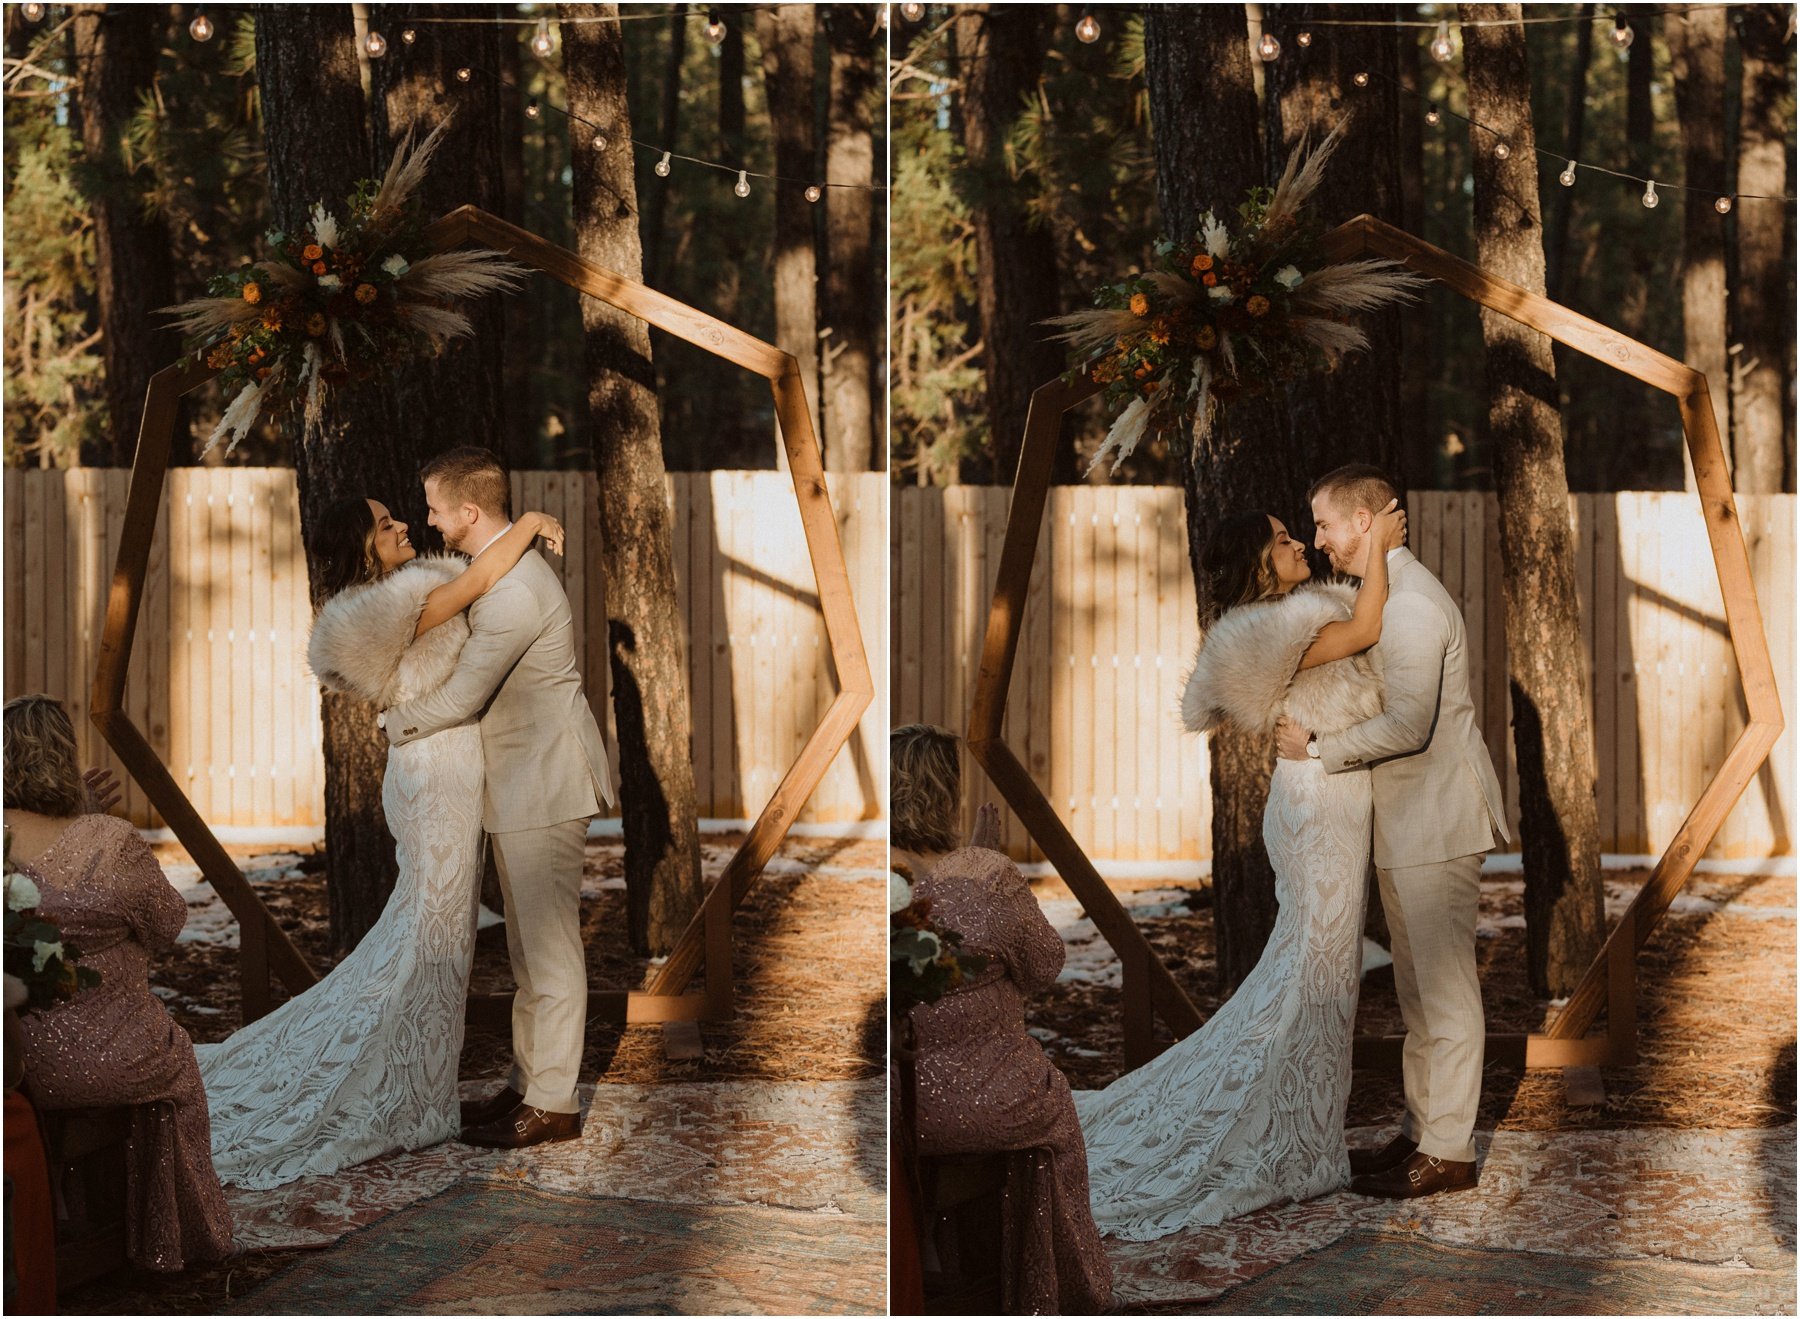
(1441, 47)
(532, 111)
(881, 18)
(1621, 35)
(814, 192)
(541, 44)
(599, 141)
(912, 13)
(662, 166)
(408, 36)
(374, 45)
(1723, 206)
(1434, 116)
(1268, 49)
(1303, 40)
(743, 184)
(1567, 177)
(715, 30)
(201, 29)
(1361, 80)
(1650, 197)
(1502, 150)
(1088, 29)
(462, 75)
(33, 12)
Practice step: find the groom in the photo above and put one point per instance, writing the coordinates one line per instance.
(546, 773)
(1438, 810)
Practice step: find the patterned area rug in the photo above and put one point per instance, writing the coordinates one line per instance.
(482, 1248)
(1720, 1198)
(1378, 1273)
(808, 1145)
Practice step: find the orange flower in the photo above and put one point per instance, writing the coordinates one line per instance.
(262, 372)
(1202, 264)
(1159, 331)
(313, 252)
(271, 318)
(1206, 338)
(1143, 370)
(319, 267)
(1257, 306)
(252, 293)
(315, 324)
(1140, 305)
(219, 357)
(365, 293)
(1209, 279)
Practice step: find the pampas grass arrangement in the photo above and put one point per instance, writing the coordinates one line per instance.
(350, 298)
(1234, 310)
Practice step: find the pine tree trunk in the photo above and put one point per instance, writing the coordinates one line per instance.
(656, 208)
(643, 615)
(317, 147)
(852, 293)
(1697, 52)
(1762, 327)
(1639, 243)
(1562, 200)
(724, 419)
(1546, 672)
(1001, 51)
(1206, 130)
(519, 426)
(786, 34)
(117, 46)
(1420, 354)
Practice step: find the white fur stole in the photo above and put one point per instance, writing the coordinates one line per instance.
(1245, 669)
(362, 641)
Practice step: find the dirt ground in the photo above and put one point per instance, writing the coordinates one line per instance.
(1716, 1012)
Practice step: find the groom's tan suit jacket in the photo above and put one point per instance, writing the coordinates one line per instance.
(1436, 794)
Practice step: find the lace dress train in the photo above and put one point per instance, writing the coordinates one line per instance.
(365, 1061)
(1249, 1110)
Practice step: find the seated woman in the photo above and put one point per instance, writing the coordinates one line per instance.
(984, 1085)
(113, 1044)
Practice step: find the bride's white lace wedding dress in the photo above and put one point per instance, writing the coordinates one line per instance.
(365, 1061)
(1249, 1110)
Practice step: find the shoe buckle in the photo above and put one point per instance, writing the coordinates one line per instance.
(523, 1124)
(1412, 1175)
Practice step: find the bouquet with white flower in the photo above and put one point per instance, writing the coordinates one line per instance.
(37, 956)
(924, 962)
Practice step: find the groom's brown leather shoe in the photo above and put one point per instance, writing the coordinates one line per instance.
(1390, 1155)
(524, 1126)
(1421, 1174)
(480, 1112)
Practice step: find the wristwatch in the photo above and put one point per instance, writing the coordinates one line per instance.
(1312, 746)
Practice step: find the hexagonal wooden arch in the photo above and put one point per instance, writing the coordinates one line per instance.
(1612, 979)
(264, 947)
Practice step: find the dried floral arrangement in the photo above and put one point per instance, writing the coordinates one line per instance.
(348, 299)
(925, 962)
(37, 956)
(1232, 311)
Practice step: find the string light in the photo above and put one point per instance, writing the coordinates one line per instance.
(1434, 116)
(1502, 150)
(1088, 29)
(814, 192)
(742, 187)
(33, 12)
(1650, 197)
(1621, 35)
(912, 12)
(201, 29)
(462, 75)
(408, 35)
(1723, 206)
(599, 141)
(1303, 40)
(532, 111)
(1567, 177)
(715, 28)
(662, 166)
(1361, 80)
(1441, 47)
(541, 44)
(1268, 48)
(375, 45)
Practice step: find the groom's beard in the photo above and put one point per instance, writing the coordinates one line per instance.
(1347, 563)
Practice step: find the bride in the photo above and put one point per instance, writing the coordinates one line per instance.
(365, 1061)
(1249, 1110)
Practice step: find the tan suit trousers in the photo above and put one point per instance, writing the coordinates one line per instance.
(540, 878)
(1431, 916)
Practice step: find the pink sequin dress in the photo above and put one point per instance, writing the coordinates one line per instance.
(985, 1085)
(115, 1044)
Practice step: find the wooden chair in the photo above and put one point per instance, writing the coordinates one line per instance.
(961, 1197)
(86, 1149)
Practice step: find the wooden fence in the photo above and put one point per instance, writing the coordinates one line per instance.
(220, 686)
(1110, 629)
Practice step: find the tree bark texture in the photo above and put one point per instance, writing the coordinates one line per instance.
(317, 147)
(787, 34)
(1206, 132)
(643, 615)
(1696, 42)
(117, 46)
(1546, 672)
(1762, 323)
(853, 289)
(1000, 51)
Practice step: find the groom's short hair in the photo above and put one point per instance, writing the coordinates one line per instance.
(471, 474)
(1354, 486)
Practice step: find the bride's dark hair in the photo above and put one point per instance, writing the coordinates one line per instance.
(1239, 562)
(347, 545)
